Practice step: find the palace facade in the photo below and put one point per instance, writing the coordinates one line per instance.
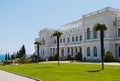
(80, 36)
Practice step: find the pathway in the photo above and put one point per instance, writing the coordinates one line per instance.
(6, 76)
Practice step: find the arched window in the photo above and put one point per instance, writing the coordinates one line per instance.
(88, 51)
(94, 33)
(88, 33)
(95, 51)
(119, 51)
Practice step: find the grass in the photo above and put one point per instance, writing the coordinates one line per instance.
(66, 72)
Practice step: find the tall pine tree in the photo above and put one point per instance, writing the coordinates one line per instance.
(21, 52)
(6, 57)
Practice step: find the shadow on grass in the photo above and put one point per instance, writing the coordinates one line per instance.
(44, 66)
(93, 71)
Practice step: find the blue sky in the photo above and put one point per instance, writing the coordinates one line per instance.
(21, 20)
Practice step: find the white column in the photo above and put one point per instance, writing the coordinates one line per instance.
(83, 51)
(65, 52)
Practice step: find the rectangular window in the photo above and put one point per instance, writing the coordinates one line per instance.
(76, 38)
(55, 41)
(60, 40)
(119, 32)
(80, 38)
(72, 39)
(63, 40)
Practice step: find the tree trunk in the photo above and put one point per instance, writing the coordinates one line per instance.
(58, 49)
(102, 47)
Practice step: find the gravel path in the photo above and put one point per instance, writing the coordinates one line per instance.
(6, 76)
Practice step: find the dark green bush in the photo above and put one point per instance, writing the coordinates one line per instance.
(7, 62)
(78, 56)
(55, 57)
(109, 57)
(50, 58)
(68, 57)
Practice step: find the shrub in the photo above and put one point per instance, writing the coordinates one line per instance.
(55, 57)
(17, 60)
(78, 56)
(50, 58)
(7, 62)
(68, 57)
(109, 57)
(23, 60)
(1, 63)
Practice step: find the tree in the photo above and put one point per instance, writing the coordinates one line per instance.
(23, 51)
(101, 28)
(17, 55)
(78, 56)
(58, 35)
(33, 57)
(109, 57)
(6, 57)
(13, 56)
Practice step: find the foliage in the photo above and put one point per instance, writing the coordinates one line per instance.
(109, 57)
(33, 57)
(21, 52)
(50, 58)
(78, 56)
(66, 72)
(36, 42)
(68, 57)
(23, 59)
(57, 33)
(13, 56)
(55, 57)
(17, 60)
(1, 63)
(7, 61)
(100, 27)
(7, 56)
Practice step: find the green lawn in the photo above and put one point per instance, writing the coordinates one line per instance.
(66, 72)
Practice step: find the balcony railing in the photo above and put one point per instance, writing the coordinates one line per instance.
(100, 11)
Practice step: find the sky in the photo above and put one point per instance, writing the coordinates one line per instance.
(21, 20)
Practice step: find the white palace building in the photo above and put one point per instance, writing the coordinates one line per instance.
(80, 36)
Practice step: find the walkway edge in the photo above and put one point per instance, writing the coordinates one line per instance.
(21, 75)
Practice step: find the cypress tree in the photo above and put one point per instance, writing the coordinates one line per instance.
(6, 58)
(23, 52)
